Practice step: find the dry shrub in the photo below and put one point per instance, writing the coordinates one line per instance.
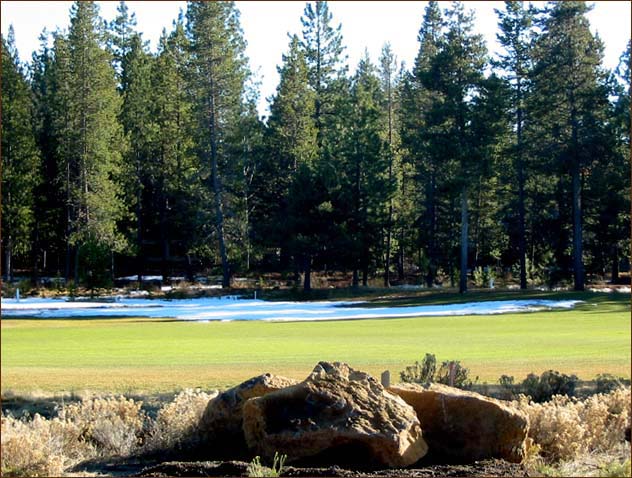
(95, 427)
(176, 421)
(565, 428)
(615, 463)
(114, 425)
(40, 447)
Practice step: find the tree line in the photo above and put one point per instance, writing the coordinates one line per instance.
(117, 160)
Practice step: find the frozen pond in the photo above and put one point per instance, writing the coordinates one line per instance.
(231, 308)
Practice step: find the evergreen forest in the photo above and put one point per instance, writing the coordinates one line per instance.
(118, 160)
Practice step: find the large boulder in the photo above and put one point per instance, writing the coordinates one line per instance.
(336, 416)
(221, 425)
(462, 426)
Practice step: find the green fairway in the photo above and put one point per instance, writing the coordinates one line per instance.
(143, 355)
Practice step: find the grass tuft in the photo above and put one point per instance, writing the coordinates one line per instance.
(256, 469)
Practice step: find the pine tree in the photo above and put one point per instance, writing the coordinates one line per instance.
(571, 104)
(515, 25)
(367, 184)
(291, 143)
(175, 187)
(218, 72)
(88, 136)
(248, 150)
(48, 241)
(327, 72)
(322, 44)
(606, 196)
(138, 127)
(121, 34)
(388, 79)
(426, 143)
(20, 159)
(458, 71)
(490, 132)
(291, 120)
(407, 209)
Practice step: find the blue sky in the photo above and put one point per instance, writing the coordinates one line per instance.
(267, 23)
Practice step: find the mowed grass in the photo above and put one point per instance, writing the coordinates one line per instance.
(133, 355)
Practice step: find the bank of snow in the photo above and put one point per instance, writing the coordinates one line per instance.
(231, 308)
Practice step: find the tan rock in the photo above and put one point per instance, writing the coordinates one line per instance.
(338, 416)
(465, 426)
(221, 424)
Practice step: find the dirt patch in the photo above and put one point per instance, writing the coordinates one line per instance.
(145, 468)
(235, 468)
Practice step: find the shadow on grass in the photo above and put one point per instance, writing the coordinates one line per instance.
(619, 301)
(92, 318)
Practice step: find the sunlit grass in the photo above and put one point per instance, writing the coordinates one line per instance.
(131, 354)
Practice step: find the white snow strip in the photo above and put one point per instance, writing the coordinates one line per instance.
(230, 308)
(621, 290)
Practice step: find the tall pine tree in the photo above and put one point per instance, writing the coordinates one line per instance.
(20, 159)
(218, 73)
(137, 121)
(48, 241)
(515, 36)
(175, 187)
(389, 86)
(322, 44)
(292, 145)
(571, 103)
(366, 170)
(457, 74)
(88, 138)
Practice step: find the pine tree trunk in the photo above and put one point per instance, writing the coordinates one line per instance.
(522, 242)
(307, 266)
(76, 273)
(247, 238)
(389, 227)
(464, 237)
(615, 265)
(8, 266)
(67, 262)
(284, 257)
(432, 249)
(68, 223)
(164, 240)
(297, 272)
(400, 256)
(365, 275)
(356, 279)
(35, 256)
(139, 232)
(578, 264)
(217, 192)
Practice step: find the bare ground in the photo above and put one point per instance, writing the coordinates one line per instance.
(138, 468)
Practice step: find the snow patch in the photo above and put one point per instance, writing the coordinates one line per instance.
(231, 308)
(622, 290)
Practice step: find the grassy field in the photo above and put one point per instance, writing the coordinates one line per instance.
(133, 355)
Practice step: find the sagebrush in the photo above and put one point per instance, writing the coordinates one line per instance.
(96, 427)
(176, 421)
(562, 431)
(565, 428)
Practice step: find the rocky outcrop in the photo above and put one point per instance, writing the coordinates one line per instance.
(221, 425)
(461, 426)
(336, 416)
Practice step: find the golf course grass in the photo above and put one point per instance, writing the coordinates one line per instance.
(132, 355)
